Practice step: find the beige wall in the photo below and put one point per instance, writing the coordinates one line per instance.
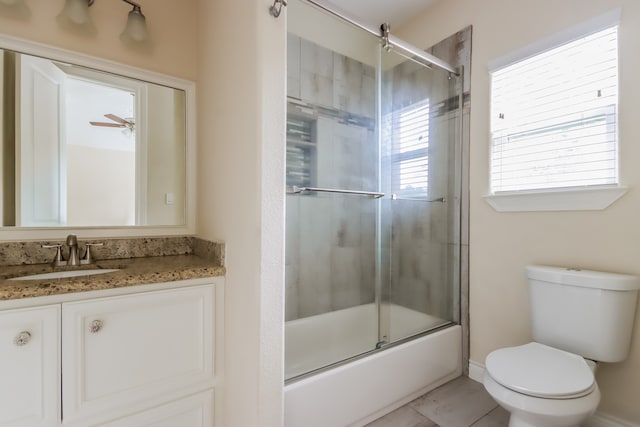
(171, 28)
(502, 244)
(241, 103)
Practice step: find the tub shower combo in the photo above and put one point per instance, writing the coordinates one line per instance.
(373, 220)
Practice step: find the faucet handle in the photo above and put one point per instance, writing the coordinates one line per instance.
(59, 258)
(87, 258)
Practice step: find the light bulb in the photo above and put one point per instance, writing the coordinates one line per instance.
(136, 28)
(77, 11)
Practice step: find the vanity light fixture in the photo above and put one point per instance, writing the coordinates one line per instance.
(77, 12)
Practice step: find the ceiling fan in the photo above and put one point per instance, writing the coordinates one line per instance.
(128, 123)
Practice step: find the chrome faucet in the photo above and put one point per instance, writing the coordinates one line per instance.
(74, 253)
(74, 258)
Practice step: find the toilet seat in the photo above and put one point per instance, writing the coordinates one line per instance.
(541, 371)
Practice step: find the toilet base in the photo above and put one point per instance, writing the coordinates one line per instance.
(514, 421)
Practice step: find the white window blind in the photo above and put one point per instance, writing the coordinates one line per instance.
(409, 151)
(553, 117)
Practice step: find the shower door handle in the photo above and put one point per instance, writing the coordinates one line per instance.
(297, 190)
(417, 199)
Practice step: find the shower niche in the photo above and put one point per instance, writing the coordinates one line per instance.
(301, 146)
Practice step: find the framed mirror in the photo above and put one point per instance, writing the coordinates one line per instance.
(91, 144)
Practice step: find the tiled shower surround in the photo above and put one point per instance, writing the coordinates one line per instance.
(331, 239)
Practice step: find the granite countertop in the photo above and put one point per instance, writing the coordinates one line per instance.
(133, 271)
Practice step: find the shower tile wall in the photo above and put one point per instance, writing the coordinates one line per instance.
(335, 266)
(423, 256)
(322, 77)
(456, 50)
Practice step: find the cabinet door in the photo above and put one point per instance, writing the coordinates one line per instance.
(193, 411)
(123, 354)
(29, 367)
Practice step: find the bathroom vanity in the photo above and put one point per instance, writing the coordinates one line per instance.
(130, 347)
(136, 345)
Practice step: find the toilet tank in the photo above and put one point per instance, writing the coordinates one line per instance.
(589, 313)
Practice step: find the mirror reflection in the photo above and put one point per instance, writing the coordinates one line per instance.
(81, 147)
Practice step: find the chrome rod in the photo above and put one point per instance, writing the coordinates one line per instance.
(345, 16)
(416, 199)
(297, 190)
(393, 41)
(421, 54)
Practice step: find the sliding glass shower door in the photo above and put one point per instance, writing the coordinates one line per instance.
(420, 158)
(332, 181)
(372, 207)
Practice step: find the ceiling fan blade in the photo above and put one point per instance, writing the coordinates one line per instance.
(115, 118)
(108, 125)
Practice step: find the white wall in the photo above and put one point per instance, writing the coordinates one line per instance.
(100, 161)
(502, 244)
(241, 94)
(101, 186)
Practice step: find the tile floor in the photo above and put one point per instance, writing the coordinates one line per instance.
(459, 403)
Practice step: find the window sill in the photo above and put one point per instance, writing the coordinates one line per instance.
(575, 199)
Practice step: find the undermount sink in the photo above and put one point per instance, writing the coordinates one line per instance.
(66, 274)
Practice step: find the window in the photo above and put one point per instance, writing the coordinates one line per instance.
(409, 151)
(554, 117)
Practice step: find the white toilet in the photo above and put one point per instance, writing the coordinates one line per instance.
(578, 317)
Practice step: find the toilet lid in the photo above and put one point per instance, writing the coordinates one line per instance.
(542, 371)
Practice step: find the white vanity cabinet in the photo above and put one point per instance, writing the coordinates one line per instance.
(138, 359)
(121, 354)
(29, 367)
(192, 411)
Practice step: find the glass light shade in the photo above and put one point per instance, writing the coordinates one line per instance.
(77, 11)
(136, 28)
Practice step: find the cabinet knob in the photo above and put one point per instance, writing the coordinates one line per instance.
(22, 338)
(95, 326)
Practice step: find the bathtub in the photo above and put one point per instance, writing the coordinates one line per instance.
(356, 393)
